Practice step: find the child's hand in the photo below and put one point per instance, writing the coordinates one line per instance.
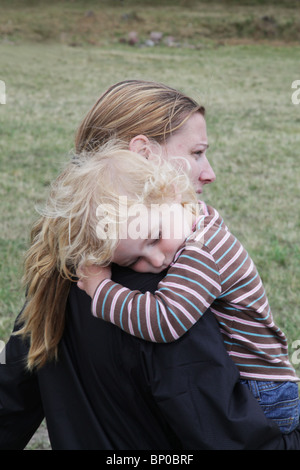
(91, 276)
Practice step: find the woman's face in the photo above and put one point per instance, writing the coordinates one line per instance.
(190, 142)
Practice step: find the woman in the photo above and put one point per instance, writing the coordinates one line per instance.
(108, 390)
(143, 115)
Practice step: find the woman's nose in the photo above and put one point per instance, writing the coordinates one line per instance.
(207, 174)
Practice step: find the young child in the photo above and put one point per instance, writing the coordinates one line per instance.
(208, 267)
(76, 227)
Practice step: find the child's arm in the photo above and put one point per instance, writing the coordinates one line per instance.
(182, 297)
(91, 276)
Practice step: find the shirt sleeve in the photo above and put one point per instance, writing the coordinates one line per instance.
(189, 288)
(21, 410)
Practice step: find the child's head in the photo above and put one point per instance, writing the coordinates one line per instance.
(151, 236)
(97, 195)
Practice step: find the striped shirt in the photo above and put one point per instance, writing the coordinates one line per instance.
(213, 270)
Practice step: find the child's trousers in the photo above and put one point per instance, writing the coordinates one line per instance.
(279, 401)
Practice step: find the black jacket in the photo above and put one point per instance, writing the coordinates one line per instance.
(115, 392)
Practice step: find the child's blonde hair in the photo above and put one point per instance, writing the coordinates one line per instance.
(67, 233)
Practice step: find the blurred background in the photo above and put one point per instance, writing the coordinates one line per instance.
(238, 58)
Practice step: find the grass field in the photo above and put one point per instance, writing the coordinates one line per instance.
(55, 61)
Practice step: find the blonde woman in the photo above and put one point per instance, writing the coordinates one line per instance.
(98, 387)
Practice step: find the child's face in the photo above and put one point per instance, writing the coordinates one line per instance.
(150, 240)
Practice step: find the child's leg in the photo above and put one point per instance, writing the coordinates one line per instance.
(279, 401)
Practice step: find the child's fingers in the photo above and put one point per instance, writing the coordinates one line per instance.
(81, 271)
(84, 271)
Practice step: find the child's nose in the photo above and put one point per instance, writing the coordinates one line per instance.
(157, 259)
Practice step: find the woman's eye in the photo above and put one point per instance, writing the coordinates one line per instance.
(198, 154)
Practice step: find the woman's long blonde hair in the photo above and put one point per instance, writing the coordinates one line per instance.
(124, 111)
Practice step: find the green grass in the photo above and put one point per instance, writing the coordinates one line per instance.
(244, 83)
(253, 129)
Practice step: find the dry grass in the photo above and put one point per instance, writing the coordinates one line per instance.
(191, 21)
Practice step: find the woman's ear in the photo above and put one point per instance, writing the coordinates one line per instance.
(140, 144)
